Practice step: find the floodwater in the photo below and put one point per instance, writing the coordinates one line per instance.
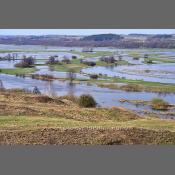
(105, 97)
(41, 55)
(47, 70)
(162, 73)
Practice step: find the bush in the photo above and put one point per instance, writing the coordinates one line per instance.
(159, 104)
(66, 60)
(107, 59)
(36, 90)
(52, 60)
(26, 62)
(148, 61)
(86, 101)
(145, 55)
(74, 57)
(94, 76)
(89, 63)
(135, 58)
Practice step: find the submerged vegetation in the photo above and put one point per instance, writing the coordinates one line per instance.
(137, 85)
(159, 104)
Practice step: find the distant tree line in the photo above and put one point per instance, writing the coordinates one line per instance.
(104, 40)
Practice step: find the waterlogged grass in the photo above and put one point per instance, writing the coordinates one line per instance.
(10, 51)
(18, 71)
(140, 85)
(163, 60)
(159, 104)
(77, 66)
(134, 54)
(103, 63)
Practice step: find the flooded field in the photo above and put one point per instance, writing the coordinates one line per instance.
(159, 72)
(162, 73)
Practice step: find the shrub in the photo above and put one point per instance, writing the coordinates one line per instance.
(107, 59)
(145, 55)
(86, 101)
(159, 104)
(26, 62)
(74, 57)
(52, 60)
(120, 57)
(36, 90)
(89, 63)
(94, 76)
(148, 61)
(147, 71)
(135, 58)
(66, 60)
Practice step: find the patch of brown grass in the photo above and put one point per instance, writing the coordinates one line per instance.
(87, 136)
(66, 107)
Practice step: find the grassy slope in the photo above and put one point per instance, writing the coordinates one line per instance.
(32, 112)
(35, 119)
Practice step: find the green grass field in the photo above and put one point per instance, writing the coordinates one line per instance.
(18, 71)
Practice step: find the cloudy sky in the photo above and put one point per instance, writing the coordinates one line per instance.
(82, 31)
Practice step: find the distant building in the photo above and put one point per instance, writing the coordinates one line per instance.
(87, 49)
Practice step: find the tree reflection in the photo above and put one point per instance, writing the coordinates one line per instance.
(71, 76)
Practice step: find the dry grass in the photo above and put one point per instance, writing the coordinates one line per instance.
(20, 103)
(27, 118)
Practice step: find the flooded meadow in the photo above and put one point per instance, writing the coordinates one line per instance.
(159, 71)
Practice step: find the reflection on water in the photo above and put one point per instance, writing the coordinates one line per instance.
(49, 71)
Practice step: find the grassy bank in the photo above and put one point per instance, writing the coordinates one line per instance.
(75, 65)
(137, 85)
(18, 71)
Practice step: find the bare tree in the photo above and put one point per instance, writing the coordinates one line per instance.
(71, 75)
(1, 85)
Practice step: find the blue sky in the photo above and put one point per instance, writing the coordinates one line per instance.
(82, 31)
